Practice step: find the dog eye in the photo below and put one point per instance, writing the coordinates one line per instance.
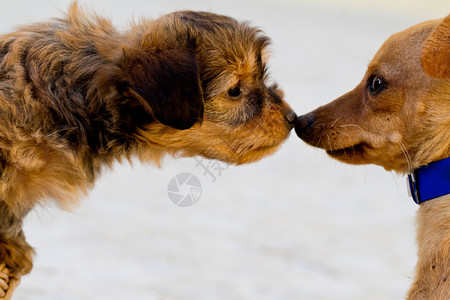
(235, 92)
(376, 85)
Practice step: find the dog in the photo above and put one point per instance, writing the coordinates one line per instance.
(77, 95)
(398, 117)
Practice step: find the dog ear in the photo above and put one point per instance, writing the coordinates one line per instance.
(167, 84)
(436, 51)
(161, 72)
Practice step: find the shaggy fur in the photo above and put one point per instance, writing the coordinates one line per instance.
(399, 118)
(77, 95)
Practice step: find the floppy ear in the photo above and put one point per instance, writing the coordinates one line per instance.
(436, 51)
(167, 84)
(161, 72)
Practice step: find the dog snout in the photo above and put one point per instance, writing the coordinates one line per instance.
(302, 123)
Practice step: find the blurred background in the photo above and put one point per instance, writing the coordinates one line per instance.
(296, 225)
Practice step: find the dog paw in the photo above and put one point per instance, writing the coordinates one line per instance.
(7, 284)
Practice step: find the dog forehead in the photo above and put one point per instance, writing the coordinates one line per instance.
(234, 59)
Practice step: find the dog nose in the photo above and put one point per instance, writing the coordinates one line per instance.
(291, 117)
(303, 122)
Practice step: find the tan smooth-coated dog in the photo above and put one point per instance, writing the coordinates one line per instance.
(398, 117)
(77, 95)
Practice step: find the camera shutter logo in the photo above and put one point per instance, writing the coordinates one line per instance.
(184, 189)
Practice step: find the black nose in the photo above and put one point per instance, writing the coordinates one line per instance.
(303, 122)
(291, 117)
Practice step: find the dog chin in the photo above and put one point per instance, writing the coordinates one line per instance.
(363, 154)
(257, 154)
(240, 157)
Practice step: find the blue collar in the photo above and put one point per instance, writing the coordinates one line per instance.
(430, 181)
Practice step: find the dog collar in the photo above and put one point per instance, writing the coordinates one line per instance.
(430, 181)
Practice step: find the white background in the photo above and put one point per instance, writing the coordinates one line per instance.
(296, 225)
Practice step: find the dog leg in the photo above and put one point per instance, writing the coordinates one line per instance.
(7, 284)
(16, 255)
(4, 281)
(432, 280)
(16, 259)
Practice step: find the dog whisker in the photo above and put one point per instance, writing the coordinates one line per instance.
(351, 125)
(329, 142)
(406, 154)
(318, 141)
(350, 139)
(334, 123)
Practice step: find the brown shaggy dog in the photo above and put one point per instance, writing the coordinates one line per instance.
(398, 117)
(76, 95)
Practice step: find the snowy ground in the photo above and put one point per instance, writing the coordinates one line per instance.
(296, 225)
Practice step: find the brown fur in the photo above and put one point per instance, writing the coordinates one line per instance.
(77, 95)
(400, 123)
